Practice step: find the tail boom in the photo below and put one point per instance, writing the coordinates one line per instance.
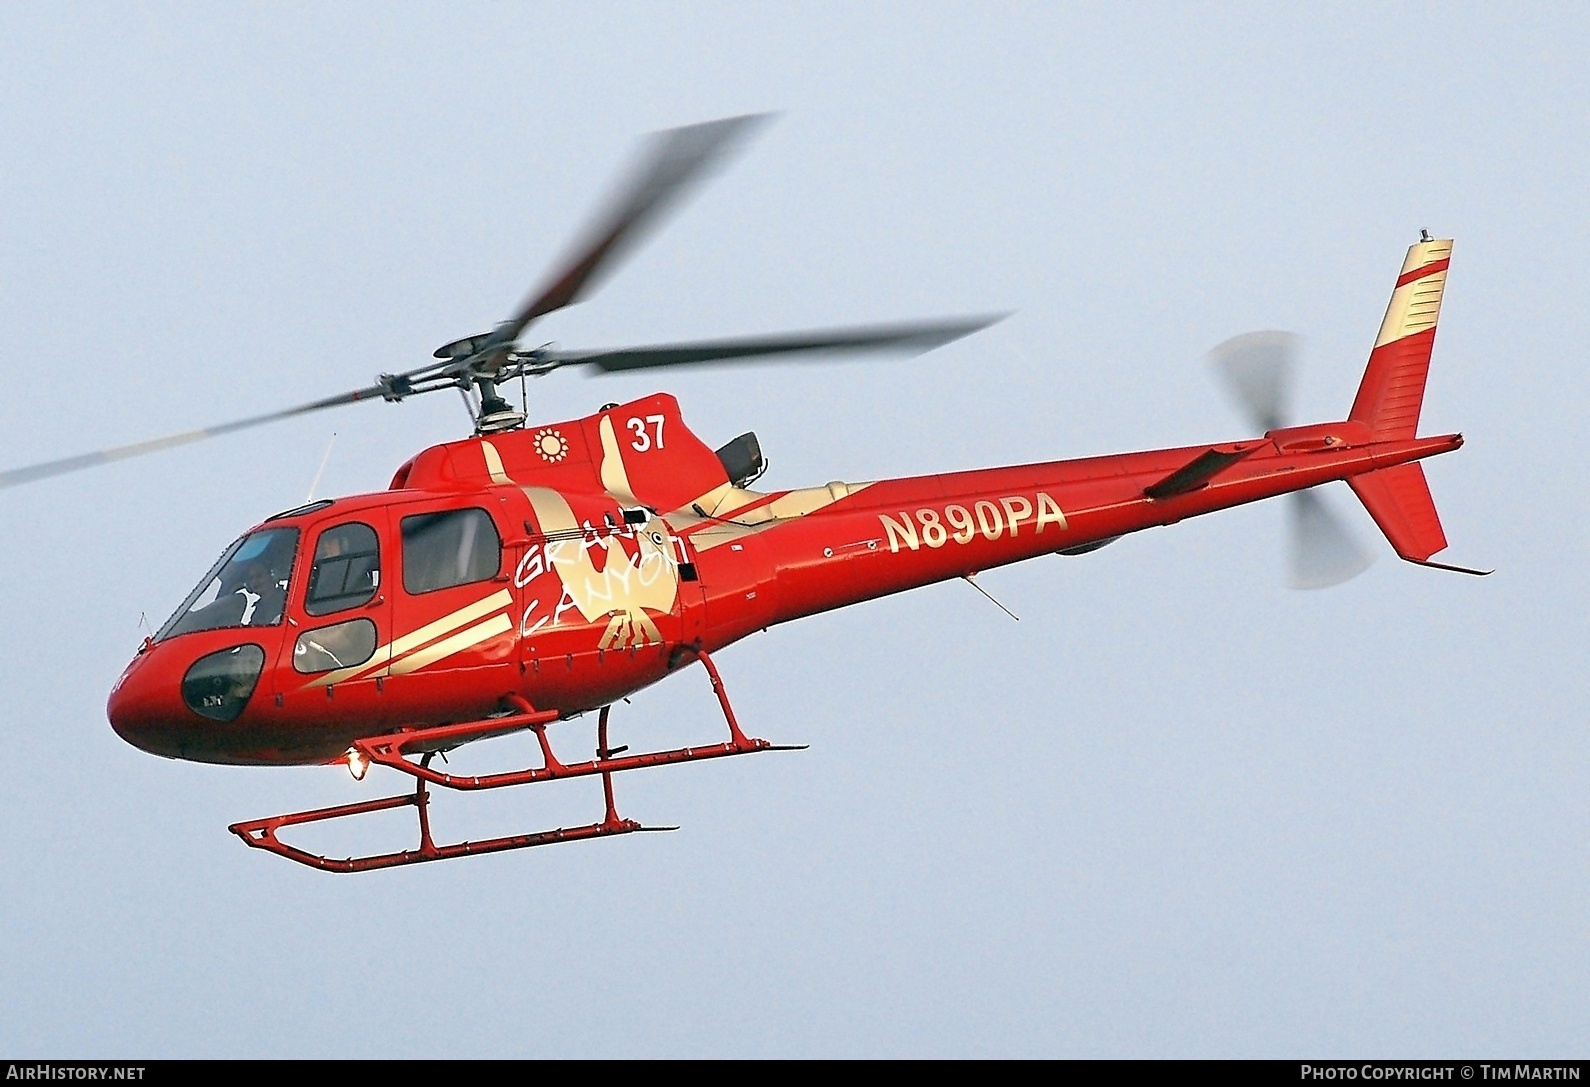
(869, 540)
(903, 533)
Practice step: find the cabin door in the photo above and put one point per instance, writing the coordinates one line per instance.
(453, 657)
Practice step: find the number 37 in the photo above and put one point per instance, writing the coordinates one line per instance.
(643, 440)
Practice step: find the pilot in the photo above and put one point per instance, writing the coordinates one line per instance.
(237, 600)
(264, 593)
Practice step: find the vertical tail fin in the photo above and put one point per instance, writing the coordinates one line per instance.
(1392, 391)
(1388, 403)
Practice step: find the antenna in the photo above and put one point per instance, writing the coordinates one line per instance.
(322, 470)
(971, 579)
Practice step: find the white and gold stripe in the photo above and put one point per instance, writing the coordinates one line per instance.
(464, 639)
(1416, 303)
(393, 659)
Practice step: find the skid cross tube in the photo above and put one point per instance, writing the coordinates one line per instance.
(389, 751)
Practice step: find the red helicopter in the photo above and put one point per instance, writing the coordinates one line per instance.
(532, 573)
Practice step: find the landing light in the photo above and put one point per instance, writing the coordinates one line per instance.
(357, 762)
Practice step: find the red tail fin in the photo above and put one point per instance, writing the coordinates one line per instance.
(1399, 501)
(1392, 391)
(1388, 403)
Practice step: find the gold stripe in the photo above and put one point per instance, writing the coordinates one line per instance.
(1415, 305)
(708, 533)
(615, 477)
(464, 639)
(383, 654)
(493, 462)
(457, 619)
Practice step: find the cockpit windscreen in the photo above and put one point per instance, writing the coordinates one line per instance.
(247, 587)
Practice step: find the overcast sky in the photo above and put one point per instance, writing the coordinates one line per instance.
(1176, 810)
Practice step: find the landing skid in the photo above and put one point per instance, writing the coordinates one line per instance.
(394, 750)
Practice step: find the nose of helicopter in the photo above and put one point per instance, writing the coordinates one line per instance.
(177, 700)
(145, 711)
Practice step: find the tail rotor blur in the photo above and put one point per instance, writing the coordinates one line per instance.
(1258, 370)
(1323, 551)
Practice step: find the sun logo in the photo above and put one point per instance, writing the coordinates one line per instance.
(551, 445)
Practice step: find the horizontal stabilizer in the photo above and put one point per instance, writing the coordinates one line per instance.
(1399, 501)
(1200, 470)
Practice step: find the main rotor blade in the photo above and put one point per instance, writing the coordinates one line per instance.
(1258, 369)
(671, 161)
(15, 476)
(1324, 552)
(913, 339)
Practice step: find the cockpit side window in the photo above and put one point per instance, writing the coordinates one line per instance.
(247, 587)
(347, 570)
(455, 547)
